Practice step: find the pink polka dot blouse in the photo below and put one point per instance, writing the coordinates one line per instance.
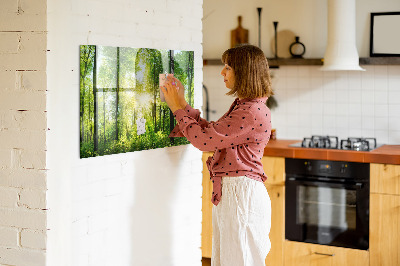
(238, 139)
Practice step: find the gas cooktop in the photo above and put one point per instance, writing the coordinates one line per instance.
(332, 142)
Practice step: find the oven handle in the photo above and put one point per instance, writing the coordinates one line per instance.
(357, 185)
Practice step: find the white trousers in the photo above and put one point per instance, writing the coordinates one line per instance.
(241, 223)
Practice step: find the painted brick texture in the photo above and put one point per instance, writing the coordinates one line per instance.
(23, 126)
(140, 208)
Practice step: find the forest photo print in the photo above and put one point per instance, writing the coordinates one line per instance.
(120, 106)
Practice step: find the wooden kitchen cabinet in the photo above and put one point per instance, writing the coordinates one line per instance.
(277, 233)
(305, 254)
(206, 225)
(385, 215)
(274, 168)
(385, 178)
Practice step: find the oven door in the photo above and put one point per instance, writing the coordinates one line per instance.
(327, 213)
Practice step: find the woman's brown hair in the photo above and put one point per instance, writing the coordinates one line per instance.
(250, 66)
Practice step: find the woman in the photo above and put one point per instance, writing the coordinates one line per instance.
(242, 208)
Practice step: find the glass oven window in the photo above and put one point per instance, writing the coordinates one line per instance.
(326, 207)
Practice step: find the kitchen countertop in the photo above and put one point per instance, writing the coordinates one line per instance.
(389, 154)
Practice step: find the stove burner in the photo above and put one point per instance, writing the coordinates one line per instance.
(328, 142)
(358, 144)
(332, 142)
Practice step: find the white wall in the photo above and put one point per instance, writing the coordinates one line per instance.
(141, 208)
(23, 133)
(306, 19)
(311, 102)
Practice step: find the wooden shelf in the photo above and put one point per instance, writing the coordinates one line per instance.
(273, 63)
(380, 61)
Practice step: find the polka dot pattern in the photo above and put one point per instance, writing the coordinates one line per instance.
(238, 139)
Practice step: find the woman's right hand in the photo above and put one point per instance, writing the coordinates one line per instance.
(181, 91)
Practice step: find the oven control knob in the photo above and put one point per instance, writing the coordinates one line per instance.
(308, 166)
(343, 168)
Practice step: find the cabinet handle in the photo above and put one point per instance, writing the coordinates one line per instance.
(324, 254)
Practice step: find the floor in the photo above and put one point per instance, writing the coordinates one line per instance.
(206, 261)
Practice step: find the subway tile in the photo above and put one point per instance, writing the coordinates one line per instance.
(355, 122)
(355, 109)
(303, 82)
(342, 96)
(315, 72)
(367, 110)
(329, 122)
(382, 136)
(394, 71)
(394, 110)
(394, 137)
(316, 83)
(355, 96)
(367, 96)
(381, 97)
(381, 110)
(292, 82)
(380, 84)
(367, 122)
(355, 132)
(317, 120)
(304, 72)
(380, 71)
(342, 109)
(291, 71)
(394, 97)
(317, 107)
(382, 123)
(367, 82)
(342, 122)
(329, 94)
(367, 133)
(354, 81)
(329, 109)
(394, 83)
(394, 123)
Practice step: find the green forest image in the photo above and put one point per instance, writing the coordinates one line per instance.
(120, 106)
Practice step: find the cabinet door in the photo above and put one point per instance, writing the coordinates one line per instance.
(277, 233)
(206, 225)
(384, 230)
(385, 178)
(304, 254)
(274, 168)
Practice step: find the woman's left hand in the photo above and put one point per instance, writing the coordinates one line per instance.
(171, 95)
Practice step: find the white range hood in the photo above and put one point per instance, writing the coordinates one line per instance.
(341, 51)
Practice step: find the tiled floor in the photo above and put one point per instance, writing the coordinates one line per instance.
(206, 261)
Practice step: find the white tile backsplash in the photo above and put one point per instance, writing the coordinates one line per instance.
(343, 103)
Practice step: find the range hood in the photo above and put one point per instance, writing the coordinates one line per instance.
(341, 51)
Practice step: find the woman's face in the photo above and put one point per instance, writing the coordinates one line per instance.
(229, 76)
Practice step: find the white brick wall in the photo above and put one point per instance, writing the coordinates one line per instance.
(141, 208)
(23, 132)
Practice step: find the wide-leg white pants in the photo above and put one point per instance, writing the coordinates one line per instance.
(241, 223)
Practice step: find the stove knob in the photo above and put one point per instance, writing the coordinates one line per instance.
(308, 166)
(343, 168)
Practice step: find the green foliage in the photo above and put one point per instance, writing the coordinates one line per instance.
(126, 89)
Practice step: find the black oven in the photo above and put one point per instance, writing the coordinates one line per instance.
(327, 202)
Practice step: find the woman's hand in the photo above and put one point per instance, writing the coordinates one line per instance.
(174, 94)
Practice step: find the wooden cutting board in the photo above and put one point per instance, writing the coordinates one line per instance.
(239, 35)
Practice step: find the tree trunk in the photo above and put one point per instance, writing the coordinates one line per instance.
(95, 129)
(171, 115)
(117, 100)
